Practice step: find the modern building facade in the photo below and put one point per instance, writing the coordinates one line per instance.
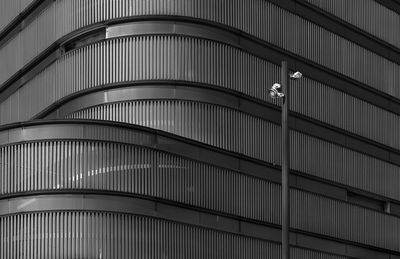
(143, 128)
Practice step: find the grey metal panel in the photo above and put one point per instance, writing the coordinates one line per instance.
(104, 65)
(210, 124)
(62, 165)
(312, 213)
(338, 164)
(368, 15)
(10, 58)
(89, 67)
(10, 9)
(326, 216)
(66, 165)
(114, 235)
(236, 131)
(305, 39)
(311, 98)
(323, 103)
(172, 28)
(27, 44)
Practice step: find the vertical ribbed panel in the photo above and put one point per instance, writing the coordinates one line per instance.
(64, 165)
(214, 125)
(10, 9)
(368, 15)
(27, 44)
(56, 235)
(237, 131)
(108, 62)
(131, 59)
(41, 91)
(38, 35)
(104, 166)
(273, 24)
(338, 164)
(10, 56)
(331, 217)
(344, 111)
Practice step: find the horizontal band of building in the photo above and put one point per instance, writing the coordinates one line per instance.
(169, 106)
(368, 15)
(60, 159)
(341, 56)
(251, 136)
(118, 227)
(220, 65)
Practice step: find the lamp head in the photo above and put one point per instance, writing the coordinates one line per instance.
(296, 75)
(276, 91)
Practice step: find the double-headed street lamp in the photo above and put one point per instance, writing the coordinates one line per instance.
(282, 91)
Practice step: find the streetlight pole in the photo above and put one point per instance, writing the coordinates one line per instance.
(285, 162)
(283, 91)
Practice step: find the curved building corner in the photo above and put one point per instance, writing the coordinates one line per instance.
(144, 129)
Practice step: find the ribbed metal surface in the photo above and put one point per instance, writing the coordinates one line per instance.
(239, 132)
(323, 103)
(38, 35)
(64, 165)
(368, 15)
(338, 164)
(10, 9)
(336, 218)
(101, 235)
(132, 59)
(267, 22)
(272, 24)
(110, 235)
(76, 165)
(10, 56)
(210, 124)
(27, 44)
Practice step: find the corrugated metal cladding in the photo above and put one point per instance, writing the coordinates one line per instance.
(257, 17)
(144, 58)
(111, 235)
(367, 15)
(32, 40)
(217, 126)
(338, 164)
(125, 161)
(79, 165)
(10, 9)
(245, 134)
(323, 103)
(197, 60)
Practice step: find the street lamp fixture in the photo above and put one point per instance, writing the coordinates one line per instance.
(282, 91)
(276, 89)
(296, 75)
